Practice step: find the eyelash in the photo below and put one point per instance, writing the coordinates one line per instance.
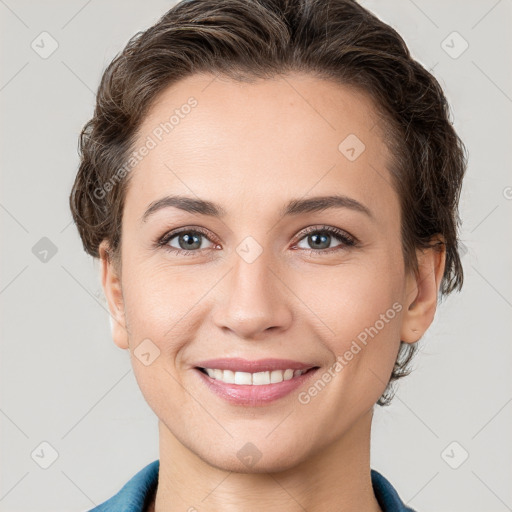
(346, 239)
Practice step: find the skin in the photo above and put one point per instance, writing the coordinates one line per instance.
(251, 148)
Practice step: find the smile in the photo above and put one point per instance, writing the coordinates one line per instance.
(253, 389)
(252, 379)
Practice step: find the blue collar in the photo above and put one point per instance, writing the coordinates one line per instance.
(139, 490)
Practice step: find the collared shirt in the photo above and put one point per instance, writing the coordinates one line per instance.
(138, 492)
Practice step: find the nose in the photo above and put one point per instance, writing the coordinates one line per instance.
(258, 302)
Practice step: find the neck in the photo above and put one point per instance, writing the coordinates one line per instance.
(335, 478)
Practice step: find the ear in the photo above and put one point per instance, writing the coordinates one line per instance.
(422, 291)
(111, 282)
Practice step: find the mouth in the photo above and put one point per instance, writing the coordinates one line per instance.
(262, 378)
(253, 382)
(254, 389)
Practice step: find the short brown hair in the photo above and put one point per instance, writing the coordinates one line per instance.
(244, 40)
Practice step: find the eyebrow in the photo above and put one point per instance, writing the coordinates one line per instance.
(294, 207)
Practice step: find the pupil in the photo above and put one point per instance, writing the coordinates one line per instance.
(190, 241)
(325, 238)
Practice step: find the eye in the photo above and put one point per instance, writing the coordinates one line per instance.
(320, 239)
(188, 241)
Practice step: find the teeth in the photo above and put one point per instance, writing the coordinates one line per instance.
(255, 379)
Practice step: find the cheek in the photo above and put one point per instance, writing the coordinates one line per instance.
(358, 312)
(157, 310)
(351, 297)
(156, 299)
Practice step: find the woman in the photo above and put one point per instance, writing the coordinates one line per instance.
(272, 189)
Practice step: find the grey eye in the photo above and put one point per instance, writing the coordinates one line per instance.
(187, 240)
(318, 240)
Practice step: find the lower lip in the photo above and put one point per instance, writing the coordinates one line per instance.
(254, 395)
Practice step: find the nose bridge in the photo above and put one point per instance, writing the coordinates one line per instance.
(254, 302)
(251, 273)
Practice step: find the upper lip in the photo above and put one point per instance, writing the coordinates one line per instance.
(237, 364)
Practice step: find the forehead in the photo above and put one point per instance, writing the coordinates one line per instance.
(217, 139)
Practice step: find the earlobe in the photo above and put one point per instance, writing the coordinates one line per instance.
(422, 292)
(111, 283)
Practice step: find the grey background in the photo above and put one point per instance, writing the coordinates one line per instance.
(64, 382)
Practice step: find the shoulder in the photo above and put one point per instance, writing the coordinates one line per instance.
(135, 495)
(386, 494)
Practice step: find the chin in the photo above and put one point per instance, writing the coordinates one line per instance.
(249, 460)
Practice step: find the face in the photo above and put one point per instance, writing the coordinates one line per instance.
(267, 275)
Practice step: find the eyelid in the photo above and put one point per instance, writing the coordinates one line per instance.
(164, 240)
(329, 229)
